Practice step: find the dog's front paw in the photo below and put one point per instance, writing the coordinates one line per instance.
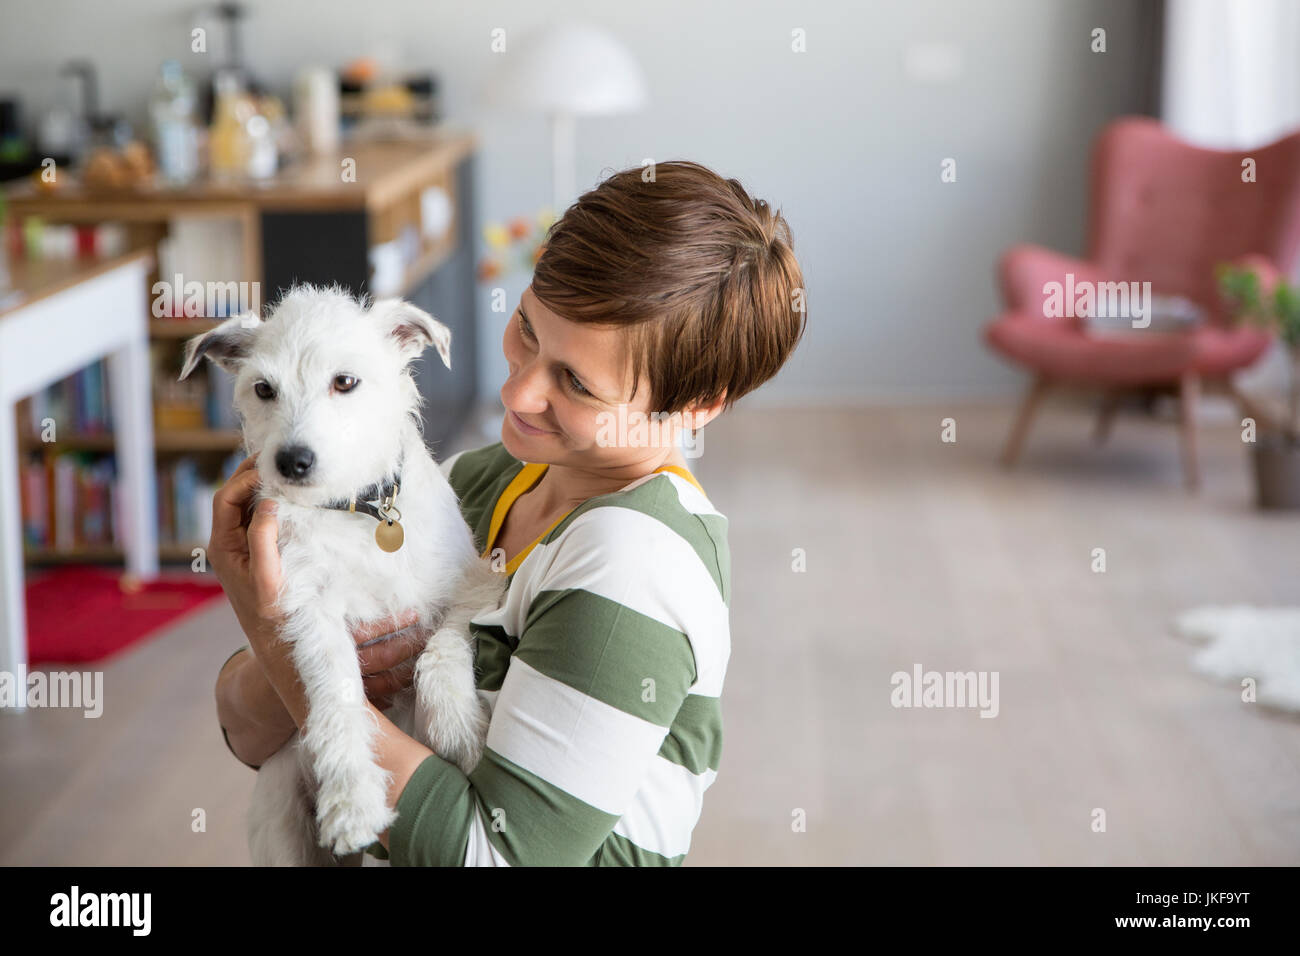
(454, 729)
(461, 741)
(347, 825)
(448, 710)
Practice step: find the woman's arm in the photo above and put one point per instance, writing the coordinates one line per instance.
(576, 733)
(577, 739)
(250, 711)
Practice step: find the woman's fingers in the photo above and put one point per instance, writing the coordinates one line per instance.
(368, 631)
(384, 654)
(264, 552)
(387, 683)
(244, 465)
(229, 505)
(374, 631)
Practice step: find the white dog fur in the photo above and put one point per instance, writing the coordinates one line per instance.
(323, 791)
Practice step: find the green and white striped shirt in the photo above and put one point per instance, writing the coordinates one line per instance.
(604, 667)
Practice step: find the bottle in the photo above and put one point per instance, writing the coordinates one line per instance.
(176, 135)
(265, 128)
(316, 103)
(230, 149)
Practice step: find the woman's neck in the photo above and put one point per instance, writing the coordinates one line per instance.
(562, 488)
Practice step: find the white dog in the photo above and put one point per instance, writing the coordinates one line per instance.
(369, 527)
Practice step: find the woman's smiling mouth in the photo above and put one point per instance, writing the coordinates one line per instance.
(523, 426)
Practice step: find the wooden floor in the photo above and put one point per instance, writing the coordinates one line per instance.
(917, 552)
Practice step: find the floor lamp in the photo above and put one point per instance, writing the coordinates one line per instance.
(567, 70)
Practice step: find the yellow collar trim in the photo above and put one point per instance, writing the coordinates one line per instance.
(522, 482)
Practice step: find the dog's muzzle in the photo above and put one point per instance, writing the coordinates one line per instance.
(295, 463)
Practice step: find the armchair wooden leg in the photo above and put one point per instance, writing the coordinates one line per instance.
(1188, 393)
(1028, 406)
(1106, 414)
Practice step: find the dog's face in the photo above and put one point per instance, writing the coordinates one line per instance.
(323, 388)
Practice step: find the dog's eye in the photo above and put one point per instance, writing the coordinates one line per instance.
(264, 392)
(345, 383)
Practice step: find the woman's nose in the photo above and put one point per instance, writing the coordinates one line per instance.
(526, 386)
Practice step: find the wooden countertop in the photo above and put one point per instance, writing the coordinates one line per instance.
(385, 170)
(33, 280)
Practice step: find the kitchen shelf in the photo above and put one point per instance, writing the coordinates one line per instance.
(306, 224)
(180, 328)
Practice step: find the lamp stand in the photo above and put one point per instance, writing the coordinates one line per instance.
(562, 160)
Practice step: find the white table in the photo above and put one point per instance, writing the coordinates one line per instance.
(72, 313)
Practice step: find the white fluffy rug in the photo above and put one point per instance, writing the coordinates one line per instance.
(1243, 641)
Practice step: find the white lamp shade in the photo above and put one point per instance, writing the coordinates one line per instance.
(574, 68)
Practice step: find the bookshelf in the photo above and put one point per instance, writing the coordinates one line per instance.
(307, 224)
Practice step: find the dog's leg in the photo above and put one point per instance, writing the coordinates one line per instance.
(448, 711)
(280, 827)
(352, 792)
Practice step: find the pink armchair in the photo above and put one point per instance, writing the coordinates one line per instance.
(1165, 212)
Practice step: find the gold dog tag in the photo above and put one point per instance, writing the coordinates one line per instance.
(389, 535)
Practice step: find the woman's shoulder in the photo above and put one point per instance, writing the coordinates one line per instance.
(662, 524)
(648, 562)
(477, 477)
(471, 465)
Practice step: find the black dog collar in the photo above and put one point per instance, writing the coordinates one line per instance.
(369, 499)
(379, 500)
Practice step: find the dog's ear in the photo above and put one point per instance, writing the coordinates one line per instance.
(227, 344)
(413, 328)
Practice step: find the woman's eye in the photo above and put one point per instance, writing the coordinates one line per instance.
(264, 392)
(527, 332)
(345, 383)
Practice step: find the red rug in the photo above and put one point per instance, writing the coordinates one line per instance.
(87, 614)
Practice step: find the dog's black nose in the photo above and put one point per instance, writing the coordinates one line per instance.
(295, 461)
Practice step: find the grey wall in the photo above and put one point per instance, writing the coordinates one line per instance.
(843, 137)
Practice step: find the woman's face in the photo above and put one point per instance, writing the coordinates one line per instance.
(565, 381)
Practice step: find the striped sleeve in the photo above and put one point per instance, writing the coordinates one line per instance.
(601, 671)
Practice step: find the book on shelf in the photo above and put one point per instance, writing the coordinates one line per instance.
(76, 405)
(204, 400)
(185, 499)
(70, 501)
(73, 501)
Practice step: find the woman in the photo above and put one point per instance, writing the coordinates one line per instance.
(662, 297)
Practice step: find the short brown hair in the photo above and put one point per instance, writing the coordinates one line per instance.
(702, 276)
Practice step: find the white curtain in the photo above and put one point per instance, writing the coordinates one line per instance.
(1231, 71)
(1230, 79)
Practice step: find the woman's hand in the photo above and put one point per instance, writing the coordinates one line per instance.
(387, 650)
(245, 556)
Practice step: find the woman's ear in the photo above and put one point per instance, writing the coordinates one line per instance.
(227, 345)
(697, 416)
(413, 328)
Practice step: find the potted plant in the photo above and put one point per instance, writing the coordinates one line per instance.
(1277, 444)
